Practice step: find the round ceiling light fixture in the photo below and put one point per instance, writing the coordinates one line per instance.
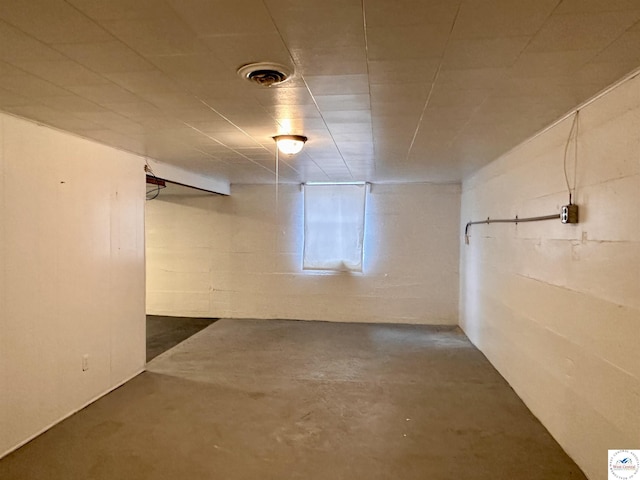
(290, 144)
(265, 74)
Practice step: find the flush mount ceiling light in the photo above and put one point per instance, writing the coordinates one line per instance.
(290, 144)
(265, 74)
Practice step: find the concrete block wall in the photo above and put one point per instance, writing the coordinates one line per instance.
(241, 256)
(556, 308)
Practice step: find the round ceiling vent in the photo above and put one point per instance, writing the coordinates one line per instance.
(265, 74)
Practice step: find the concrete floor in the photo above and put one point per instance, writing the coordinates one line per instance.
(164, 333)
(251, 399)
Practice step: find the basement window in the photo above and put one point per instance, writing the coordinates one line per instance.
(334, 226)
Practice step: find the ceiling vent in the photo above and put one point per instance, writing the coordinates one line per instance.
(265, 74)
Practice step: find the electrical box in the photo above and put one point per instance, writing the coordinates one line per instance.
(569, 214)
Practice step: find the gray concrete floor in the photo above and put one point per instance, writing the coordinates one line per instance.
(164, 333)
(252, 399)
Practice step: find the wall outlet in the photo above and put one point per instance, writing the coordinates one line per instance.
(85, 363)
(569, 214)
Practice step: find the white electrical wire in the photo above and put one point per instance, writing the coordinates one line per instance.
(573, 134)
(156, 190)
(277, 175)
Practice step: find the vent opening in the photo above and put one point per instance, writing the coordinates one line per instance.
(265, 74)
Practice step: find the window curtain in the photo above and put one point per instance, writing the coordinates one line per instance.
(334, 226)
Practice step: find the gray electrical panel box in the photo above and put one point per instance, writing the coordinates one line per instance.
(569, 214)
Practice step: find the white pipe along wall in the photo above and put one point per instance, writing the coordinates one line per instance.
(72, 319)
(556, 308)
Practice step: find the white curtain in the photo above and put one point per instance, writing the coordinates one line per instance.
(334, 226)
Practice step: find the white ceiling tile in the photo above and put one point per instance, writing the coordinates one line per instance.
(119, 140)
(31, 86)
(347, 117)
(152, 81)
(170, 101)
(283, 96)
(444, 96)
(320, 137)
(213, 125)
(105, 57)
(167, 86)
(71, 103)
(199, 162)
(160, 124)
(56, 21)
(396, 110)
(448, 116)
(501, 18)
(102, 94)
(546, 64)
(360, 137)
(484, 53)
(595, 75)
(331, 61)
(299, 125)
(400, 71)
(224, 16)
(235, 50)
(384, 125)
(20, 47)
(64, 73)
(474, 78)
(254, 121)
(309, 111)
(11, 99)
(394, 136)
(111, 120)
(382, 13)
(38, 112)
(156, 36)
(8, 69)
(587, 31)
(353, 149)
(337, 84)
(393, 43)
(394, 93)
(73, 125)
(232, 108)
(625, 49)
(123, 9)
(398, 100)
(195, 67)
(328, 103)
(236, 139)
(535, 86)
(208, 88)
(134, 110)
(199, 114)
(391, 154)
(595, 6)
(323, 152)
(336, 24)
(296, 11)
(344, 33)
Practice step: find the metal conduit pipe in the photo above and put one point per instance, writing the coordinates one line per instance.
(507, 220)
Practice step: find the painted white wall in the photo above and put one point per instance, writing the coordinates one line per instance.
(183, 177)
(71, 274)
(556, 308)
(229, 257)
